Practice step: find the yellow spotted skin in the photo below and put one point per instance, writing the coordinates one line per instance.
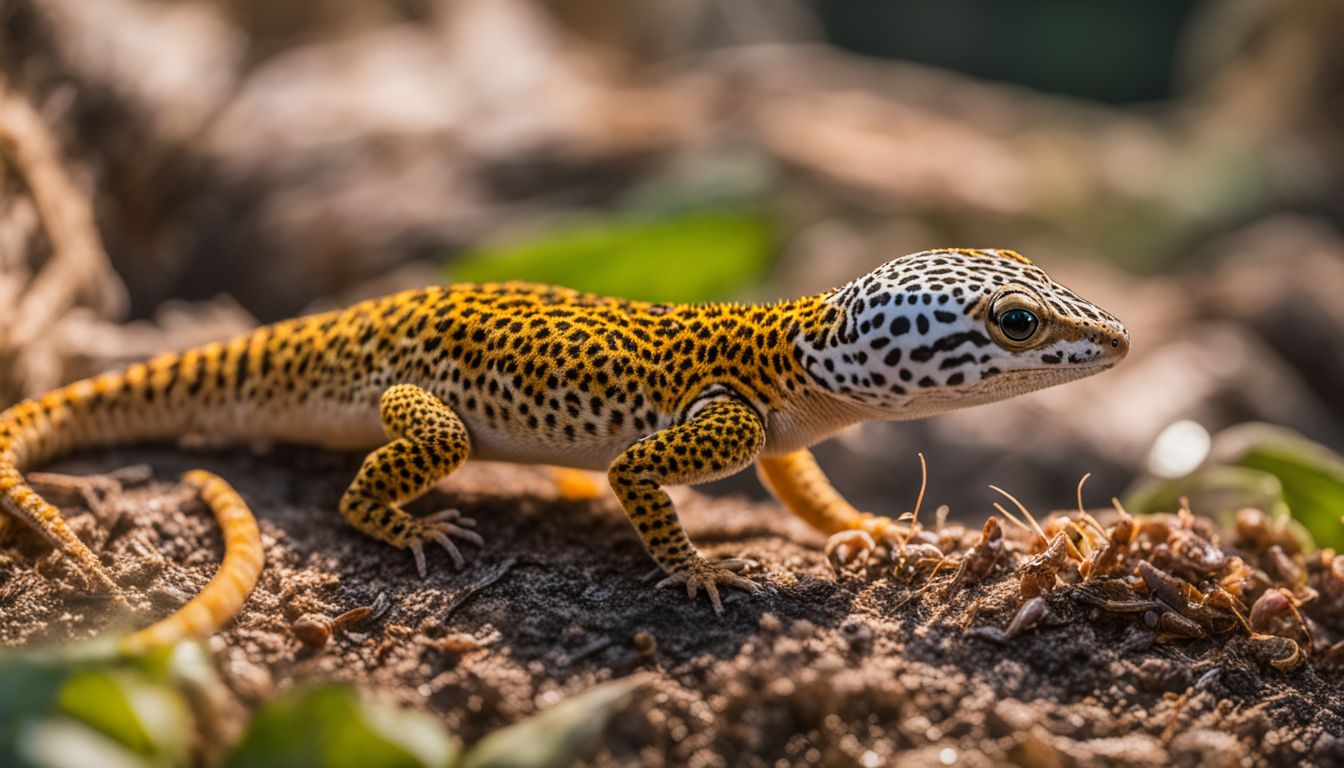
(716, 442)
(652, 394)
(428, 442)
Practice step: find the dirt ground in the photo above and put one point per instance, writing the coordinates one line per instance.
(814, 670)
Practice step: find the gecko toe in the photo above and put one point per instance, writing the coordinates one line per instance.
(418, 552)
(713, 591)
(465, 535)
(849, 548)
(711, 576)
(453, 523)
(438, 529)
(442, 539)
(449, 515)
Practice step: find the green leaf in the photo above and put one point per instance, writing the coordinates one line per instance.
(689, 257)
(558, 737)
(1311, 475)
(143, 718)
(67, 744)
(331, 726)
(28, 691)
(1218, 492)
(100, 704)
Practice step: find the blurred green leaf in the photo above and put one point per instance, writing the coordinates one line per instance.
(188, 666)
(1311, 475)
(558, 737)
(1218, 492)
(67, 744)
(331, 726)
(1299, 482)
(689, 257)
(147, 719)
(84, 706)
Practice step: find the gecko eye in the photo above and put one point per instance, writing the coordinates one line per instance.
(1018, 324)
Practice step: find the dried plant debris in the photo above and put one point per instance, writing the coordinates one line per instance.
(49, 276)
(1080, 638)
(315, 630)
(1172, 574)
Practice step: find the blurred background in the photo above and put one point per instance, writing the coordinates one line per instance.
(1179, 162)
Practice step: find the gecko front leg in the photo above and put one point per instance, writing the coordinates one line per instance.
(429, 442)
(719, 441)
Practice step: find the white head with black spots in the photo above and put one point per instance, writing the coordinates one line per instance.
(944, 329)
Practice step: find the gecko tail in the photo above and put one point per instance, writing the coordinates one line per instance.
(221, 600)
(32, 428)
(145, 402)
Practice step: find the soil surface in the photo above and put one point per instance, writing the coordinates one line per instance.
(813, 670)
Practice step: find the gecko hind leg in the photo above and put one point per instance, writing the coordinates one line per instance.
(800, 484)
(576, 484)
(428, 443)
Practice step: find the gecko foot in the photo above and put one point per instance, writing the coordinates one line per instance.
(703, 573)
(849, 548)
(441, 528)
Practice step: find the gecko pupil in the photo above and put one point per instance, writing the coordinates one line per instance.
(1018, 324)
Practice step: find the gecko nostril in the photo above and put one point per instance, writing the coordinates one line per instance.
(1115, 343)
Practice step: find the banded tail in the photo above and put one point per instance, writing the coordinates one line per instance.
(146, 402)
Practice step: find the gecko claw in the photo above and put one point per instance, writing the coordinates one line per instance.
(703, 573)
(441, 528)
(418, 552)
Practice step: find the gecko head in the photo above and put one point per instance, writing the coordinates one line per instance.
(944, 329)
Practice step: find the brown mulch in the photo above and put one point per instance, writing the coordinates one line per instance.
(814, 670)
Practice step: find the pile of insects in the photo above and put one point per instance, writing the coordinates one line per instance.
(1176, 574)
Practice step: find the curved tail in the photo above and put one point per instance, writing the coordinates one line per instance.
(223, 597)
(146, 402)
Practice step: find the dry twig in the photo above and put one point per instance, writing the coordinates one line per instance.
(78, 271)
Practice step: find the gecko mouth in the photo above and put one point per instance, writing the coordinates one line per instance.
(1101, 362)
(1098, 358)
(1052, 374)
(1090, 365)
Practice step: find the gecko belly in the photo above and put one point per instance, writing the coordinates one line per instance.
(495, 444)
